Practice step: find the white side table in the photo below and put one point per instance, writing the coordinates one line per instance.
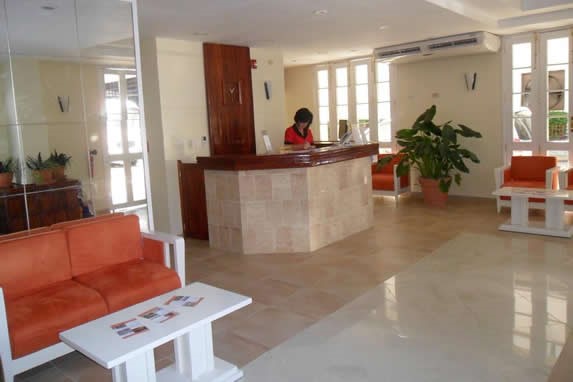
(132, 359)
(554, 211)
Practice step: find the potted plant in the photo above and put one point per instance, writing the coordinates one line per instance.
(42, 170)
(61, 161)
(434, 150)
(7, 168)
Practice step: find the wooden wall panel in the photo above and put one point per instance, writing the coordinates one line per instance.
(229, 99)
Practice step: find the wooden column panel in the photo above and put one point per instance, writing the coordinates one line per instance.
(229, 99)
(193, 200)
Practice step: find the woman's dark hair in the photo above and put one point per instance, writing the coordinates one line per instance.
(303, 115)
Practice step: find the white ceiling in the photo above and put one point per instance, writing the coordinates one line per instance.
(351, 28)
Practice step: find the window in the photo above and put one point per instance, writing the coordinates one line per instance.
(352, 93)
(539, 119)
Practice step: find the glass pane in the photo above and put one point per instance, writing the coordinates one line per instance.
(521, 81)
(558, 102)
(322, 78)
(383, 71)
(342, 96)
(557, 77)
(383, 91)
(385, 150)
(342, 112)
(323, 114)
(521, 103)
(114, 140)
(521, 55)
(323, 97)
(324, 132)
(118, 187)
(133, 136)
(522, 129)
(562, 157)
(132, 93)
(361, 72)
(558, 51)
(341, 77)
(384, 131)
(384, 111)
(522, 153)
(558, 126)
(137, 180)
(362, 93)
(362, 112)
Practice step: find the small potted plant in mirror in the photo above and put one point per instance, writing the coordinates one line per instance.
(435, 152)
(61, 162)
(42, 170)
(7, 168)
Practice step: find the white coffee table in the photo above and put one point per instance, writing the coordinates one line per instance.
(554, 211)
(132, 360)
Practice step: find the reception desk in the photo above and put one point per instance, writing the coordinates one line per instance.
(294, 202)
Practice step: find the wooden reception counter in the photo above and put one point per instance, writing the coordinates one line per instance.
(294, 202)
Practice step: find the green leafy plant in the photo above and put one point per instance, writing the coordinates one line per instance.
(37, 163)
(60, 159)
(7, 165)
(434, 150)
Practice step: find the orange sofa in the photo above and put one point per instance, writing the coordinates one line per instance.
(385, 181)
(53, 280)
(530, 172)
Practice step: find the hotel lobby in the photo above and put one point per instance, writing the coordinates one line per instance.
(346, 284)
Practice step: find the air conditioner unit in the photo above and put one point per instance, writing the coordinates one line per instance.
(461, 44)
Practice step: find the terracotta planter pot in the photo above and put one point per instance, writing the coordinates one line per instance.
(433, 196)
(59, 173)
(6, 179)
(45, 176)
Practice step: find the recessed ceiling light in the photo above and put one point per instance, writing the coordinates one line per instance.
(382, 27)
(320, 12)
(48, 7)
(200, 34)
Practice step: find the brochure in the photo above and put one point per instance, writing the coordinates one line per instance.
(129, 328)
(158, 314)
(184, 301)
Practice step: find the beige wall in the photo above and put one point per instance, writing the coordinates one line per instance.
(176, 82)
(417, 86)
(300, 91)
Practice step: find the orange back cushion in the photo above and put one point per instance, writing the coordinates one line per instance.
(31, 263)
(388, 168)
(26, 233)
(532, 167)
(104, 242)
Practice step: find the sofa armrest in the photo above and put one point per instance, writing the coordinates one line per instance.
(178, 253)
(552, 178)
(5, 349)
(500, 174)
(564, 179)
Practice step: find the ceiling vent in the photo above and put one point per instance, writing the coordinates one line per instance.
(461, 44)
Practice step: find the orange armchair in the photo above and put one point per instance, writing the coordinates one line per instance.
(530, 172)
(385, 181)
(566, 183)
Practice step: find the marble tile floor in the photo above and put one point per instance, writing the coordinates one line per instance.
(297, 292)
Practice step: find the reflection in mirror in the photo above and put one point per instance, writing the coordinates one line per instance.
(75, 94)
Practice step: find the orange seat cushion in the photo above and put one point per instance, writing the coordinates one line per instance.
(102, 243)
(524, 183)
(125, 284)
(531, 167)
(31, 263)
(383, 181)
(35, 320)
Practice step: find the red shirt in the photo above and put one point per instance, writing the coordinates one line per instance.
(293, 136)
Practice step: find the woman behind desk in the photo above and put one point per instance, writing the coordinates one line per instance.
(300, 133)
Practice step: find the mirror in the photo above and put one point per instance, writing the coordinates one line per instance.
(71, 118)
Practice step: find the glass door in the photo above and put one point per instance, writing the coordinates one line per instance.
(124, 150)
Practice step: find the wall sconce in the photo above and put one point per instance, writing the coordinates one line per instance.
(64, 103)
(471, 80)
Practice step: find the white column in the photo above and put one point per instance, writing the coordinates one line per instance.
(194, 352)
(140, 368)
(554, 214)
(519, 210)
